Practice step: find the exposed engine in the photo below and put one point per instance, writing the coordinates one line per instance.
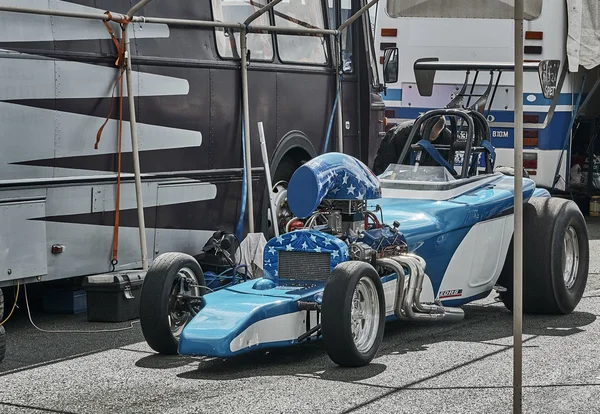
(367, 237)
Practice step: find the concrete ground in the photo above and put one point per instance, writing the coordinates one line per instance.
(459, 368)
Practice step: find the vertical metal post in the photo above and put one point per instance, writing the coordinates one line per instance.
(518, 232)
(338, 72)
(135, 151)
(246, 109)
(265, 156)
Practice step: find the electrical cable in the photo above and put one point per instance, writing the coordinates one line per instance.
(74, 330)
(14, 305)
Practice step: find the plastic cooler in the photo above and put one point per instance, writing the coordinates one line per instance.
(113, 297)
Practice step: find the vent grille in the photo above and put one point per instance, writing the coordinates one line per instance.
(304, 265)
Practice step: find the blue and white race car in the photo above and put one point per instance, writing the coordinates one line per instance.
(415, 243)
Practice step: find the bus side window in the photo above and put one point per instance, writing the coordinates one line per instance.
(228, 41)
(345, 7)
(306, 49)
(346, 10)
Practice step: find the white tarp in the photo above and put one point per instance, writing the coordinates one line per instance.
(583, 38)
(251, 253)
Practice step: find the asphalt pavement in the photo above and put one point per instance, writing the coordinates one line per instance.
(420, 368)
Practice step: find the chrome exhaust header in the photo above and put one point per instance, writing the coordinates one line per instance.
(407, 302)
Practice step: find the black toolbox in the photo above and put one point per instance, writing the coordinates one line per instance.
(113, 297)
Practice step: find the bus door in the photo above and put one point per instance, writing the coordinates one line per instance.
(362, 106)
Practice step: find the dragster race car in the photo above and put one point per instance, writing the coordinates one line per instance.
(415, 243)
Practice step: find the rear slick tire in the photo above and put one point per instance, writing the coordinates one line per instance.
(555, 258)
(353, 314)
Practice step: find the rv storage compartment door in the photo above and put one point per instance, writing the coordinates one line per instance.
(23, 250)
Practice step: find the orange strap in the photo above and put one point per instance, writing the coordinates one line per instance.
(120, 63)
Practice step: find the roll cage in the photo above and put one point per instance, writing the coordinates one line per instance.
(476, 141)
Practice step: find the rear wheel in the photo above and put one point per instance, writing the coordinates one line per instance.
(353, 314)
(165, 303)
(555, 257)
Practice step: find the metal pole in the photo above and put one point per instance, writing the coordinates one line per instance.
(518, 231)
(265, 156)
(246, 109)
(357, 15)
(261, 11)
(134, 150)
(137, 7)
(61, 13)
(338, 74)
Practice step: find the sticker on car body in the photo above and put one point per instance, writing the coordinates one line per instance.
(455, 293)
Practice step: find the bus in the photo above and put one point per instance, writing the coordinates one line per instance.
(68, 209)
(558, 133)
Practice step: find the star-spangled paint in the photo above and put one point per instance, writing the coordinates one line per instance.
(331, 176)
(304, 241)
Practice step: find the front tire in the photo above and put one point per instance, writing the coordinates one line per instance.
(353, 314)
(163, 313)
(555, 257)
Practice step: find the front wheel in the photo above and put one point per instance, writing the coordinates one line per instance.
(353, 314)
(167, 301)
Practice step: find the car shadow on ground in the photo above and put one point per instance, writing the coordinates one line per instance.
(484, 324)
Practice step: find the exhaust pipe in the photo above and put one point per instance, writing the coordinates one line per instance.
(412, 306)
(402, 285)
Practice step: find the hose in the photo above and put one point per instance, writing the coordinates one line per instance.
(331, 120)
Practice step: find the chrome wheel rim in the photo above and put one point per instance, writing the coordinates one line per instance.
(364, 315)
(282, 211)
(570, 257)
(179, 314)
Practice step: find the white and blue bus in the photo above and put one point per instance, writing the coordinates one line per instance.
(467, 34)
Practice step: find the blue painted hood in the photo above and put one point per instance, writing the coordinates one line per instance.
(229, 312)
(331, 176)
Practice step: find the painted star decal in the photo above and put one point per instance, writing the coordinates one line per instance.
(294, 237)
(304, 246)
(361, 195)
(280, 239)
(318, 249)
(289, 248)
(271, 250)
(326, 242)
(313, 238)
(345, 178)
(351, 189)
(335, 190)
(335, 254)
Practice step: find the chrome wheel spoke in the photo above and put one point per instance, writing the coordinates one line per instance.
(364, 315)
(570, 262)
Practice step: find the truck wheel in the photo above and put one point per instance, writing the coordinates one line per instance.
(163, 312)
(555, 257)
(353, 314)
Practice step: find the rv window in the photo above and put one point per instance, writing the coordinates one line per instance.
(307, 14)
(484, 9)
(228, 41)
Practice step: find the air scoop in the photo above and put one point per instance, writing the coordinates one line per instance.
(331, 176)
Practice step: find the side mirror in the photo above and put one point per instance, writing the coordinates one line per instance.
(390, 65)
